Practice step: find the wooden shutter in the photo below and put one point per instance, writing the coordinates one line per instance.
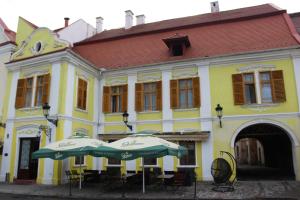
(106, 99)
(84, 95)
(196, 92)
(124, 97)
(278, 91)
(238, 89)
(46, 89)
(139, 91)
(79, 93)
(21, 94)
(159, 95)
(174, 93)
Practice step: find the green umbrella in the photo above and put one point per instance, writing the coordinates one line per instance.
(143, 145)
(74, 146)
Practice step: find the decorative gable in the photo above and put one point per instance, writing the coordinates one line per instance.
(36, 41)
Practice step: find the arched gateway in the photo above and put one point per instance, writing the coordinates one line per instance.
(264, 150)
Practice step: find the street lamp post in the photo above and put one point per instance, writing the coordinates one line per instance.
(125, 120)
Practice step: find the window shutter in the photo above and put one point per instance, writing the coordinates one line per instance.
(84, 95)
(278, 91)
(79, 93)
(20, 95)
(238, 89)
(46, 88)
(174, 93)
(159, 95)
(106, 100)
(139, 91)
(124, 98)
(196, 92)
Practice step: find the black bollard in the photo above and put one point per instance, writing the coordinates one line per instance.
(195, 189)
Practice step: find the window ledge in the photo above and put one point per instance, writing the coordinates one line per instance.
(113, 114)
(80, 110)
(187, 166)
(260, 105)
(149, 112)
(30, 108)
(185, 109)
(150, 166)
(78, 166)
(108, 165)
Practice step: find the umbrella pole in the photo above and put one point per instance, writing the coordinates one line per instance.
(143, 176)
(80, 173)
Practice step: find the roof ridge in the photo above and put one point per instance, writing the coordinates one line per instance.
(206, 18)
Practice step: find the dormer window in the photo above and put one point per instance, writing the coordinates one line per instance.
(177, 44)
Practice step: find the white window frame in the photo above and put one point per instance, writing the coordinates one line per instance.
(189, 166)
(78, 165)
(34, 77)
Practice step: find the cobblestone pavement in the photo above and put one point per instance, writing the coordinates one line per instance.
(243, 190)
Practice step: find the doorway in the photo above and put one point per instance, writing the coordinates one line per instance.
(27, 167)
(264, 152)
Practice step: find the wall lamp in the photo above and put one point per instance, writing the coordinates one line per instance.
(125, 120)
(46, 109)
(219, 111)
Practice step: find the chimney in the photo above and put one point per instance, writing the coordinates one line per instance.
(67, 21)
(140, 19)
(214, 6)
(99, 24)
(128, 19)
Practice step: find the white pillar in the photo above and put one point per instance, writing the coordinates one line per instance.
(53, 102)
(69, 113)
(296, 61)
(96, 161)
(167, 113)
(132, 78)
(8, 135)
(206, 122)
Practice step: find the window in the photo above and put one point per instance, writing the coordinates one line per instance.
(177, 50)
(27, 87)
(150, 161)
(190, 157)
(249, 85)
(113, 161)
(269, 86)
(79, 160)
(82, 94)
(114, 99)
(148, 96)
(266, 90)
(28, 92)
(185, 93)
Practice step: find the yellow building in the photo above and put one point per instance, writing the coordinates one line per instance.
(169, 76)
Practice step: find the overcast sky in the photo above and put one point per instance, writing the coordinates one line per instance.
(51, 13)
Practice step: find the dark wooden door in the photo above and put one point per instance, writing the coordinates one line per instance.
(27, 168)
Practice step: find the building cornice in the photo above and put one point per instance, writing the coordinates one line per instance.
(67, 55)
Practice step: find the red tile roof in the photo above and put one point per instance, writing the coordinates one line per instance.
(230, 32)
(9, 33)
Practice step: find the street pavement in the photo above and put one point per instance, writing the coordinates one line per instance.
(243, 190)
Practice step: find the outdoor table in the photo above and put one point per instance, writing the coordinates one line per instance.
(164, 177)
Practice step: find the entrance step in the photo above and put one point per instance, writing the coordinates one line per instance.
(24, 182)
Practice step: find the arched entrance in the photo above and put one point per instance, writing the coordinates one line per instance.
(264, 151)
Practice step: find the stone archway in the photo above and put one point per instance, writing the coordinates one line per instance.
(276, 148)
